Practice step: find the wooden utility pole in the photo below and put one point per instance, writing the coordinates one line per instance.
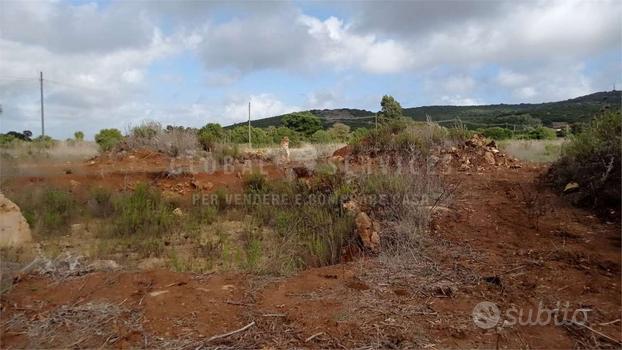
(41, 88)
(250, 145)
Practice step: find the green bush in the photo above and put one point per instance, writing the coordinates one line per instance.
(303, 122)
(43, 142)
(390, 109)
(254, 181)
(592, 159)
(142, 211)
(48, 211)
(107, 139)
(78, 136)
(339, 132)
(210, 135)
(542, 133)
(497, 133)
(321, 136)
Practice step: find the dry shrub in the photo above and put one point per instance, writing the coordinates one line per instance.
(174, 141)
(177, 141)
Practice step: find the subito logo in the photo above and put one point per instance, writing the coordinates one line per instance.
(486, 315)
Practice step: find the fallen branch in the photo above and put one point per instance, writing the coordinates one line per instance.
(598, 333)
(313, 336)
(231, 333)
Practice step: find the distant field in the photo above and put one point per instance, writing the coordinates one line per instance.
(537, 151)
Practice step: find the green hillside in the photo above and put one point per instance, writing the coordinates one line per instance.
(580, 109)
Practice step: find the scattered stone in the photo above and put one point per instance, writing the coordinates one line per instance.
(77, 228)
(367, 231)
(14, 230)
(351, 207)
(104, 265)
(489, 158)
(571, 187)
(158, 292)
(177, 212)
(228, 287)
(74, 184)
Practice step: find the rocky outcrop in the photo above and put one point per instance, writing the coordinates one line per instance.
(367, 231)
(14, 230)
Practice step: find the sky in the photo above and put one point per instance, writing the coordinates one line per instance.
(113, 64)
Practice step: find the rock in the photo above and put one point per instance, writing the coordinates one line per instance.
(351, 207)
(464, 167)
(151, 264)
(571, 187)
(443, 289)
(77, 228)
(104, 265)
(209, 186)
(336, 159)
(177, 212)
(74, 184)
(158, 292)
(367, 231)
(14, 230)
(489, 158)
(447, 158)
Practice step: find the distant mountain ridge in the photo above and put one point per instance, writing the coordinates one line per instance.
(579, 109)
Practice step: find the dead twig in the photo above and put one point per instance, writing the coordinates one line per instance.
(313, 336)
(615, 341)
(220, 336)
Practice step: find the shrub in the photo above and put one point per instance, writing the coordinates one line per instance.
(107, 139)
(49, 210)
(78, 136)
(497, 133)
(339, 132)
(147, 130)
(303, 122)
(254, 181)
(321, 136)
(142, 211)
(390, 109)
(43, 142)
(542, 133)
(592, 159)
(210, 135)
(176, 141)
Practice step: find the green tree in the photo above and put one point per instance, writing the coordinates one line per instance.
(321, 136)
(542, 133)
(339, 132)
(78, 135)
(108, 138)
(210, 135)
(303, 122)
(390, 108)
(497, 133)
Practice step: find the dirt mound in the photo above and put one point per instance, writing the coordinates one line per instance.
(477, 154)
(343, 151)
(14, 230)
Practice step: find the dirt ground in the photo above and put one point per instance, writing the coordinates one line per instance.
(504, 239)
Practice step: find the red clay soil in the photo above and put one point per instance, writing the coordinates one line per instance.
(504, 240)
(120, 173)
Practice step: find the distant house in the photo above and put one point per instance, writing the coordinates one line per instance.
(561, 128)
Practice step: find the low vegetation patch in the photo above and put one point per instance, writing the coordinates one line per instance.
(591, 160)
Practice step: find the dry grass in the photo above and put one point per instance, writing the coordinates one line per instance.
(537, 151)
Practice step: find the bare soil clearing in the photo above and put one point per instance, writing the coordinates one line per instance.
(504, 239)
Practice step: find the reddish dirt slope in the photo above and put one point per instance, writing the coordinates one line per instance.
(503, 240)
